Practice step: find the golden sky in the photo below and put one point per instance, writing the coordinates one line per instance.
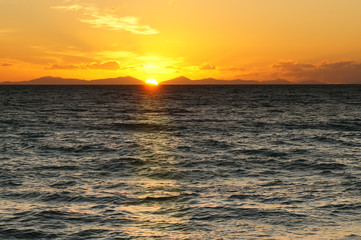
(162, 39)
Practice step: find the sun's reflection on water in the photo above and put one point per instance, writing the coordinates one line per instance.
(157, 209)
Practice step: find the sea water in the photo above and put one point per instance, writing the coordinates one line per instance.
(180, 162)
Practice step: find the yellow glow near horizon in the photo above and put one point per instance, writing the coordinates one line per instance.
(152, 82)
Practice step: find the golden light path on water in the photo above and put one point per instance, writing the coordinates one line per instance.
(154, 184)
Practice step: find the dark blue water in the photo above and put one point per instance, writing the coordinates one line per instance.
(180, 162)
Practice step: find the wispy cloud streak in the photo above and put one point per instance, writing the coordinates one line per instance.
(5, 64)
(112, 22)
(97, 19)
(110, 66)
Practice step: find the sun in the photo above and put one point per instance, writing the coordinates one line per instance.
(152, 82)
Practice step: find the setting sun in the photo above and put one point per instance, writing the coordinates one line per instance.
(152, 82)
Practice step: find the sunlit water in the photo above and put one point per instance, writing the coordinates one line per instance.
(180, 162)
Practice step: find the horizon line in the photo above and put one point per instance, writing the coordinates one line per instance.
(112, 81)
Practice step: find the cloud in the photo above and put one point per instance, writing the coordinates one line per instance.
(75, 7)
(123, 5)
(339, 72)
(98, 19)
(233, 69)
(291, 66)
(112, 22)
(207, 66)
(64, 67)
(110, 65)
(5, 65)
(173, 67)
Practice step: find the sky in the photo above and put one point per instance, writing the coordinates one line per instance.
(308, 40)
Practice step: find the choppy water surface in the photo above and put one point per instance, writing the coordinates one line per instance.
(180, 162)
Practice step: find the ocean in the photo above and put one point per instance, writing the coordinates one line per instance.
(180, 162)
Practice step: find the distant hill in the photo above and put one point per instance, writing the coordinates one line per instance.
(208, 81)
(311, 82)
(211, 81)
(48, 81)
(178, 81)
(70, 81)
(276, 82)
(117, 81)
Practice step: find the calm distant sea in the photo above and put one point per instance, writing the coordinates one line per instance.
(180, 162)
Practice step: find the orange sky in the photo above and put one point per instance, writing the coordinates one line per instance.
(163, 39)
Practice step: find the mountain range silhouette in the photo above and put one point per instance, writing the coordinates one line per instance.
(128, 80)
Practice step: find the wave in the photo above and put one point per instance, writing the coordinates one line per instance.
(30, 233)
